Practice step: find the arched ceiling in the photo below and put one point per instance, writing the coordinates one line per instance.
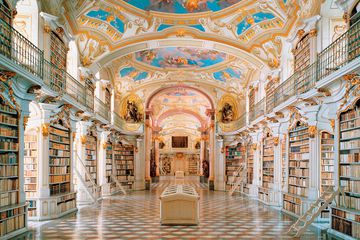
(225, 44)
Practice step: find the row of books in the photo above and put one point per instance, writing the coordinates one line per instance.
(91, 169)
(350, 171)
(30, 152)
(350, 185)
(350, 134)
(350, 202)
(66, 198)
(30, 187)
(59, 188)
(8, 132)
(7, 109)
(350, 144)
(90, 163)
(299, 156)
(59, 132)
(299, 149)
(66, 206)
(300, 182)
(327, 168)
(8, 170)
(8, 144)
(59, 178)
(350, 158)
(124, 152)
(8, 184)
(61, 139)
(304, 172)
(299, 140)
(8, 119)
(300, 191)
(59, 161)
(350, 124)
(60, 170)
(327, 182)
(8, 158)
(12, 224)
(292, 207)
(9, 198)
(327, 175)
(59, 146)
(298, 164)
(59, 153)
(122, 157)
(351, 114)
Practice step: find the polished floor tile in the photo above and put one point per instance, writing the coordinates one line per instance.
(136, 216)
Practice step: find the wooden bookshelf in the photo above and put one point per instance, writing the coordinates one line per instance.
(124, 162)
(109, 162)
(267, 168)
(345, 217)
(251, 99)
(234, 157)
(58, 55)
(298, 173)
(91, 158)
(31, 169)
(59, 160)
(12, 211)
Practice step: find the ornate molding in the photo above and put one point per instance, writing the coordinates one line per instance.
(45, 129)
(332, 124)
(326, 92)
(83, 139)
(312, 131)
(276, 141)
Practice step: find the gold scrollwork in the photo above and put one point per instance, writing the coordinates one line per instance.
(45, 129)
(332, 124)
(83, 139)
(276, 141)
(312, 131)
(254, 146)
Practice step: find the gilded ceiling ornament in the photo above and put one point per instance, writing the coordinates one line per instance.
(6, 75)
(47, 28)
(25, 121)
(104, 145)
(300, 33)
(313, 32)
(254, 146)
(180, 33)
(279, 114)
(312, 131)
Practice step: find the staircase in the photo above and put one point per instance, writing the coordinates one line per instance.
(325, 199)
(89, 186)
(239, 177)
(118, 184)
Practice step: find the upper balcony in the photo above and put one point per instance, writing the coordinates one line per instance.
(338, 59)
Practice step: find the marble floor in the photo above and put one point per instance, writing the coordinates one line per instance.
(136, 216)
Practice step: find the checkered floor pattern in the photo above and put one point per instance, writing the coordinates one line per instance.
(136, 216)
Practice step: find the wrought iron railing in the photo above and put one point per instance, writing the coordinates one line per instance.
(101, 109)
(259, 110)
(20, 50)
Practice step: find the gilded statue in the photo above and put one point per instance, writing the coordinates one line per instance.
(132, 113)
(227, 113)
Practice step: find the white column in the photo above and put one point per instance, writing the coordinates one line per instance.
(139, 165)
(202, 154)
(277, 172)
(212, 157)
(148, 134)
(220, 165)
(314, 167)
(102, 157)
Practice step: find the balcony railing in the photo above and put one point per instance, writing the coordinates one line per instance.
(21, 51)
(101, 109)
(259, 109)
(340, 53)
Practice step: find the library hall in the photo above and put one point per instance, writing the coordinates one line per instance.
(179, 119)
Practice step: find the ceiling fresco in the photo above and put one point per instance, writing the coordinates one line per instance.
(133, 73)
(182, 6)
(227, 74)
(252, 20)
(180, 57)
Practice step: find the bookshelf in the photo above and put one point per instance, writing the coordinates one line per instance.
(12, 211)
(91, 158)
(267, 168)
(283, 163)
(234, 157)
(298, 169)
(345, 217)
(31, 170)
(59, 160)
(58, 55)
(193, 164)
(302, 53)
(124, 162)
(110, 186)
